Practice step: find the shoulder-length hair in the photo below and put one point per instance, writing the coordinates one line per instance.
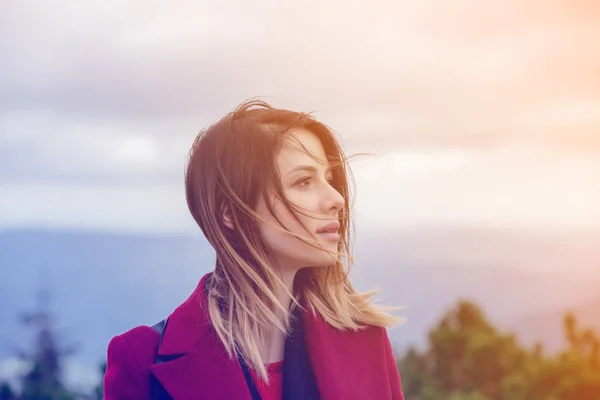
(232, 165)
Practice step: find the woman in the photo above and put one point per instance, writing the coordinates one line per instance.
(278, 317)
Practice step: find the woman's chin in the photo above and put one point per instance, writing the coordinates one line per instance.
(330, 258)
(324, 260)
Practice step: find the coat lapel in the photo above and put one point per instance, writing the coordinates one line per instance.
(347, 364)
(197, 364)
(202, 373)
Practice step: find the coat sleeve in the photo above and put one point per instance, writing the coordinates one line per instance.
(392, 367)
(123, 378)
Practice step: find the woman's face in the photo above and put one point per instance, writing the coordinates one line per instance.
(305, 179)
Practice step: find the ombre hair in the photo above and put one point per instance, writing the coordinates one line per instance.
(232, 166)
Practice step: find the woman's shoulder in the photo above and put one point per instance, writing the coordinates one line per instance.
(140, 342)
(129, 357)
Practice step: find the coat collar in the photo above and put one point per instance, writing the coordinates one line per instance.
(317, 358)
(188, 323)
(197, 360)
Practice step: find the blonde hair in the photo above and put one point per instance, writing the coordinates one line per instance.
(229, 169)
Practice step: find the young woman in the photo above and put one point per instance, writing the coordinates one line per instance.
(278, 317)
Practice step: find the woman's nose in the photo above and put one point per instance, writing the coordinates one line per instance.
(334, 199)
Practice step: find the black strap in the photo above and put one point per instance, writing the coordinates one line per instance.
(158, 392)
(249, 380)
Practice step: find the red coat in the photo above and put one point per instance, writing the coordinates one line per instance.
(347, 365)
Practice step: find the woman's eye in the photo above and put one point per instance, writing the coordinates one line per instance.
(303, 182)
(307, 181)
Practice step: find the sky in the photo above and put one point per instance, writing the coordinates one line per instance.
(476, 112)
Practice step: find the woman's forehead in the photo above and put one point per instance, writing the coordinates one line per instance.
(301, 146)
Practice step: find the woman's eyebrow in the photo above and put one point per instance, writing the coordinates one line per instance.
(307, 168)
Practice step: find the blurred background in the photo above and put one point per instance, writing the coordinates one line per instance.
(479, 205)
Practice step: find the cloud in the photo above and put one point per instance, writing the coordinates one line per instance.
(505, 187)
(47, 149)
(144, 208)
(457, 73)
(99, 102)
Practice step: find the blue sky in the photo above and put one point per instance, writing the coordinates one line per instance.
(477, 114)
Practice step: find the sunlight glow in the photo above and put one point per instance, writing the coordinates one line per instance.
(136, 149)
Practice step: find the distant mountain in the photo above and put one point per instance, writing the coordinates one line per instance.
(104, 284)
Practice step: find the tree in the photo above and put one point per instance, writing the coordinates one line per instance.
(467, 356)
(43, 381)
(6, 392)
(469, 359)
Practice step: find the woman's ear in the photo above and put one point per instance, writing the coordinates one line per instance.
(226, 214)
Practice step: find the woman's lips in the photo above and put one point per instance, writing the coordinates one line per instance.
(332, 236)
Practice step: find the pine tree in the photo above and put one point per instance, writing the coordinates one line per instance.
(43, 381)
(6, 392)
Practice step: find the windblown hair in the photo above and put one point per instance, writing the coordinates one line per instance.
(232, 165)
